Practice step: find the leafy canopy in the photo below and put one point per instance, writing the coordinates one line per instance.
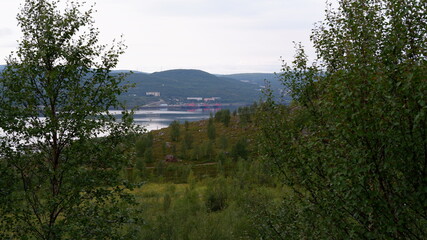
(62, 151)
(353, 143)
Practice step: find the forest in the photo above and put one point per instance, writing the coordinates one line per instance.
(345, 159)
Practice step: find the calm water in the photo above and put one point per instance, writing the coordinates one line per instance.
(154, 119)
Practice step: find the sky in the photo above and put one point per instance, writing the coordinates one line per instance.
(217, 36)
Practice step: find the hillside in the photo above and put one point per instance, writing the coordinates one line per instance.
(260, 79)
(193, 146)
(176, 85)
(255, 78)
(213, 190)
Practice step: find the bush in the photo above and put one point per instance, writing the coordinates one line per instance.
(240, 150)
(223, 116)
(140, 165)
(223, 142)
(148, 155)
(216, 195)
(186, 125)
(188, 140)
(211, 129)
(142, 143)
(174, 130)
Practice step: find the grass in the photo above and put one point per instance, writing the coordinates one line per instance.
(180, 211)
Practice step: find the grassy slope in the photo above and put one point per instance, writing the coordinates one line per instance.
(183, 209)
(206, 158)
(198, 130)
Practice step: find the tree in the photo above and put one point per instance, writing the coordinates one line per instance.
(62, 147)
(174, 130)
(143, 143)
(223, 116)
(211, 129)
(148, 155)
(223, 141)
(140, 164)
(244, 115)
(240, 149)
(188, 141)
(353, 143)
(184, 150)
(186, 125)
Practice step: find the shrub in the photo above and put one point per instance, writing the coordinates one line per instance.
(216, 195)
(240, 149)
(174, 130)
(211, 129)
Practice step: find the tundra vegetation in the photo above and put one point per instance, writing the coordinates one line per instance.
(204, 193)
(345, 159)
(348, 154)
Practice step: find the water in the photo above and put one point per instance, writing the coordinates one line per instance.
(154, 119)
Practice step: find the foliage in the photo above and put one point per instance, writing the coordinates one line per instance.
(192, 144)
(148, 155)
(140, 164)
(188, 140)
(216, 195)
(201, 151)
(184, 151)
(223, 116)
(211, 129)
(353, 145)
(223, 141)
(61, 142)
(206, 150)
(246, 112)
(180, 213)
(186, 144)
(174, 130)
(239, 150)
(143, 143)
(8, 178)
(194, 199)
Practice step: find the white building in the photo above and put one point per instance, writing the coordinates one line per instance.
(156, 94)
(195, 98)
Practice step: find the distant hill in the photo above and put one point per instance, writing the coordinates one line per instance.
(260, 79)
(175, 86)
(127, 71)
(256, 78)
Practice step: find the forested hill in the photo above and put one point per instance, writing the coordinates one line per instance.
(177, 85)
(256, 78)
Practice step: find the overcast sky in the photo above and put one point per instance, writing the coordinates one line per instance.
(217, 36)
